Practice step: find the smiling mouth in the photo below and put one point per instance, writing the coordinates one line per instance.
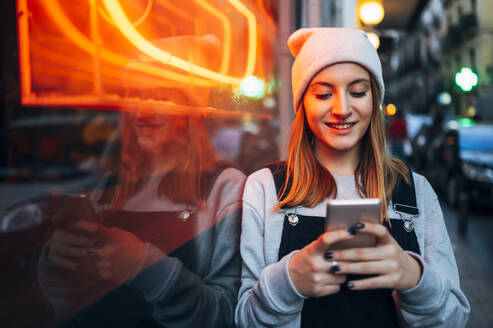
(340, 126)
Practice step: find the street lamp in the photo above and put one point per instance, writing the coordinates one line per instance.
(371, 12)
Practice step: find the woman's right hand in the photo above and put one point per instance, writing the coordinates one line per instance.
(310, 270)
(67, 247)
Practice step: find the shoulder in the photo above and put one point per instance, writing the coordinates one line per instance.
(218, 174)
(260, 179)
(229, 181)
(423, 187)
(267, 176)
(260, 190)
(231, 174)
(226, 190)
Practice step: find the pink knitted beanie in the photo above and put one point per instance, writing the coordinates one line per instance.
(316, 48)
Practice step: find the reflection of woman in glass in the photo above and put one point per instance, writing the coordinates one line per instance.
(291, 275)
(166, 251)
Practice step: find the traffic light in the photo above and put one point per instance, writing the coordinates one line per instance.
(466, 79)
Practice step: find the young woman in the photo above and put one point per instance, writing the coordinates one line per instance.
(165, 252)
(290, 275)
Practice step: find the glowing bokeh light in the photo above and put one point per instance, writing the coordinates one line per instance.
(374, 39)
(444, 98)
(252, 87)
(471, 111)
(390, 110)
(371, 12)
(466, 79)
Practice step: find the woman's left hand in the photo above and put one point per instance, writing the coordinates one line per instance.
(119, 255)
(394, 268)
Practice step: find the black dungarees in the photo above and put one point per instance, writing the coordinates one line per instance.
(347, 308)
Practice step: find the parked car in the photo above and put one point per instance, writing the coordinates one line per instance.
(462, 163)
(53, 152)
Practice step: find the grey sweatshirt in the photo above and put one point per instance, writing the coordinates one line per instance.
(199, 293)
(268, 297)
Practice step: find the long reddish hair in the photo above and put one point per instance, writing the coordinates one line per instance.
(376, 174)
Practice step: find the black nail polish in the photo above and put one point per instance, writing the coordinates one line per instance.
(359, 225)
(350, 285)
(328, 255)
(334, 268)
(351, 231)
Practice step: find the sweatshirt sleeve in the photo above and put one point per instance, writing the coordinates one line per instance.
(267, 295)
(437, 300)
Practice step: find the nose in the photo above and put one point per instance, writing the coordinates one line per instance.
(341, 107)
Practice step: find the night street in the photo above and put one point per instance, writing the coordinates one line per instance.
(474, 255)
(192, 163)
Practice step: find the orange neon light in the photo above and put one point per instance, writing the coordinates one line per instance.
(65, 25)
(96, 41)
(57, 59)
(175, 10)
(227, 33)
(137, 22)
(115, 10)
(252, 35)
(24, 53)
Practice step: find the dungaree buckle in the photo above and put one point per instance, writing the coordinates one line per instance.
(407, 214)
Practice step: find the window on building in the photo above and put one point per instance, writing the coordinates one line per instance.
(472, 58)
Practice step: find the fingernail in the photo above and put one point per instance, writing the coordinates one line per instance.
(328, 255)
(359, 225)
(334, 268)
(351, 231)
(350, 285)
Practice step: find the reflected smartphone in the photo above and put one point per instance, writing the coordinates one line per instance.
(71, 208)
(342, 214)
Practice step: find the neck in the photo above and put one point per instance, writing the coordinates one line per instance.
(343, 162)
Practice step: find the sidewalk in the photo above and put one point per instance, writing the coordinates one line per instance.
(476, 282)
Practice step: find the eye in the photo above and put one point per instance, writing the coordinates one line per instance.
(358, 94)
(323, 96)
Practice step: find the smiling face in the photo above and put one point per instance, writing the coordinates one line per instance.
(338, 106)
(155, 132)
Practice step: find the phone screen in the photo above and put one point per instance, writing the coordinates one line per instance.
(69, 208)
(342, 214)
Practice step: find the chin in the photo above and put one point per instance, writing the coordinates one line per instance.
(148, 146)
(342, 147)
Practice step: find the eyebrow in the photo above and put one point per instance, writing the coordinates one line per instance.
(331, 85)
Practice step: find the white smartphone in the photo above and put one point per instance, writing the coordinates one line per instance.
(343, 214)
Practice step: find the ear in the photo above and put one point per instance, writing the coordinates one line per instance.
(298, 39)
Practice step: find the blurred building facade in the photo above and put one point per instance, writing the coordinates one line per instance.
(468, 43)
(448, 35)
